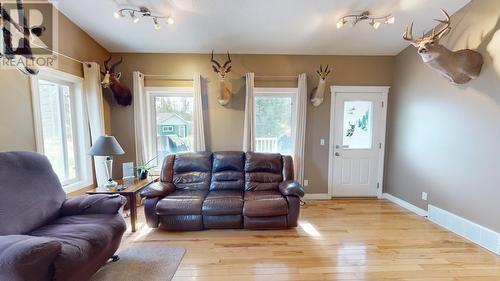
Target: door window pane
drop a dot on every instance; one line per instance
(273, 124)
(174, 120)
(357, 127)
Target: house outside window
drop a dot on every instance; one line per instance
(171, 113)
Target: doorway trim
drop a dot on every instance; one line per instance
(384, 92)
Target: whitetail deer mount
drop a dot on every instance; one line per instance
(459, 67)
(111, 79)
(318, 93)
(225, 94)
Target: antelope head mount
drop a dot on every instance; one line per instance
(318, 93)
(459, 67)
(111, 80)
(225, 94)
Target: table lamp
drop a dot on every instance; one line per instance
(107, 146)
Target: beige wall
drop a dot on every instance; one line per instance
(16, 117)
(445, 139)
(224, 126)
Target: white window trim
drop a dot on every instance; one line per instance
(293, 93)
(82, 128)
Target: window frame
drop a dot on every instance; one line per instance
(278, 93)
(152, 93)
(79, 120)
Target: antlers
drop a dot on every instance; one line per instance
(326, 71)
(408, 35)
(112, 68)
(217, 67)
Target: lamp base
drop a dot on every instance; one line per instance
(110, 184)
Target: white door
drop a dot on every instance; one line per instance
(358, 138)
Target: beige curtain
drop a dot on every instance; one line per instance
(142, 124)
(94, 102)
(198, 130)
(248, 127)
(300, 136)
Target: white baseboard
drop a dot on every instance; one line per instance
(474, 232)
(317, 196)
(406, 205)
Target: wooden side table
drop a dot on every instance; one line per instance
(132, 188)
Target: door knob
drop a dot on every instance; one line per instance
(337, 154)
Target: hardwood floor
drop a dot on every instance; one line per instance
(336, 240)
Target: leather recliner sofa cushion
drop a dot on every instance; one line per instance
(182, 202)
(227, 202)
(227, 171)
(263, 171)
(264, 204)
(192, 171)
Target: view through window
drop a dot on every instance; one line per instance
(173, 124)
(58, 129)
(274, 120)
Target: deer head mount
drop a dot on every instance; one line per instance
(24, 49)
(459, 67)
(111, 80)
(318, 93)
(225, 95)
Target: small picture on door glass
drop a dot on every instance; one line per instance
(357, 127)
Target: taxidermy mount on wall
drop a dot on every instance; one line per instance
(25, 51)
(459, 67)
(111, 80)
(318, 93)
(225, 95)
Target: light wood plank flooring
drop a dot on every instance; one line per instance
(337, 240)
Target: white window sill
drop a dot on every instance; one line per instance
(76, 186)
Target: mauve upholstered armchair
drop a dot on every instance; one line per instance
(43, 235)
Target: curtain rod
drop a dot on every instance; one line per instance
(275, 76)
(57, 53)
(170, 77)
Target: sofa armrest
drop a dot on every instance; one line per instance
(27, 258)
(93, 204)
(291, 188)
(158, 189)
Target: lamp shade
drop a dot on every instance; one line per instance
(106, 146)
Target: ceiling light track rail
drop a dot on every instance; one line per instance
(142, 12)
(374, 21)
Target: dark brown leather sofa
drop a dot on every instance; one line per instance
(224, 190)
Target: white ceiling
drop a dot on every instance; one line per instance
(255, 26)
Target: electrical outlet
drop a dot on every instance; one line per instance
(424, 196)
(306, 182)
(322, 142)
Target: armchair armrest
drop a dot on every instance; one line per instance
(291, 188)
(27, 258)
(93, 204)
(158, 189)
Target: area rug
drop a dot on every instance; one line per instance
(142, 263)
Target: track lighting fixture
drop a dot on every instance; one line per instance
(136, 14)
(375, 21)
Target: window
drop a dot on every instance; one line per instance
(171, 111)
(168, 129)
(274, 119)
(357, 127)
(61, 127)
